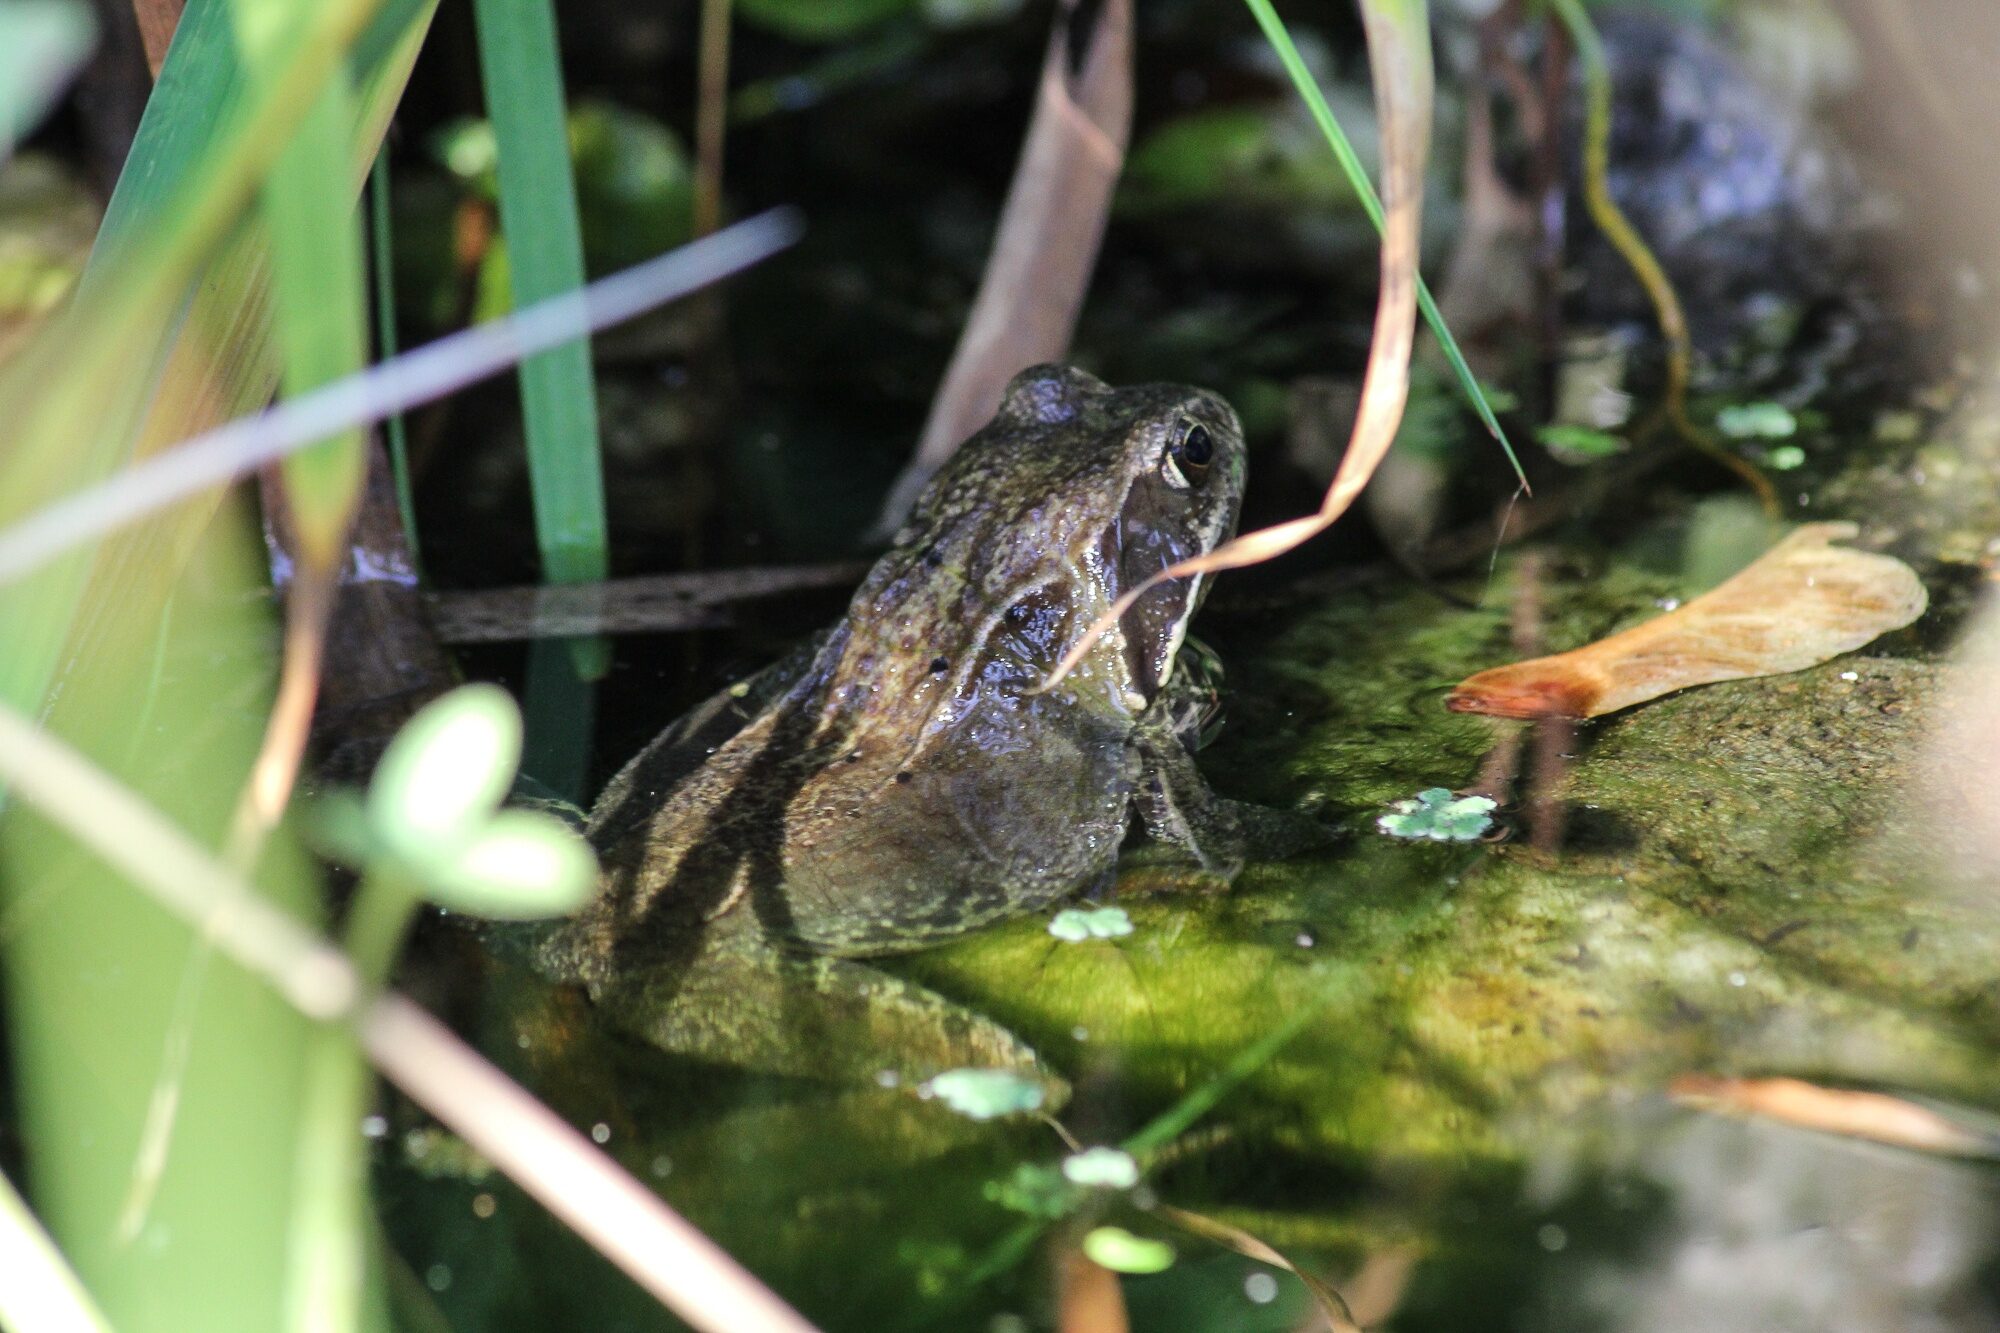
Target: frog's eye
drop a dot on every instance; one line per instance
(1190, 453)
(1195, 448)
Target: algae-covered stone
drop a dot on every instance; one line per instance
(1731, 897)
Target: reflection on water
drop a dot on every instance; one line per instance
(1763, 1228)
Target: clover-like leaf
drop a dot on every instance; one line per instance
(1439, 816)
(1102, 923)
(444, 774)
(522, 865)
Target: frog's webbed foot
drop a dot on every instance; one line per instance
(746, 1004)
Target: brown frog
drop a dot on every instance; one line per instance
(906, 778)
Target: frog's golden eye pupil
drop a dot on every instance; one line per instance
(1196, 448)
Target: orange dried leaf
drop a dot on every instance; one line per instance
(1801, 603)
(1856, 1115)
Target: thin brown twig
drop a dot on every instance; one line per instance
(1645, 266)
(308, 609)
(711, 116)
(1549, 739)
(645, 603)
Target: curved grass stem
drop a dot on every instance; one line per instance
(1639, 257)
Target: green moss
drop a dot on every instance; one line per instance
(1724, 902)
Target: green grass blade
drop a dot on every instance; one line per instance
(381, 244)
(538, 216)
(319, 329)
(320, 322)
(1357, 175)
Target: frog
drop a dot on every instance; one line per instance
(917, 772)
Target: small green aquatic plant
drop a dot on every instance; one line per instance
(1038, 1190)
(1756, 421)
(1436, 814)
(1102, 1167)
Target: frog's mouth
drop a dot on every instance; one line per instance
(1139, 545)
(1154, 628)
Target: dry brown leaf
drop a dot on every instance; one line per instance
(1801, 603)
(1856, 1115)
(1046, 246)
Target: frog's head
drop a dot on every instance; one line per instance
(1078, 491)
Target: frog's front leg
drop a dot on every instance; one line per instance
(1184, 818)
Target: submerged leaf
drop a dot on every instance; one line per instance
(1339, 1317)
(1846, 1112)
(1803, 602)
(1120, 1251)
(985, 1094)
(1037, 1190)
